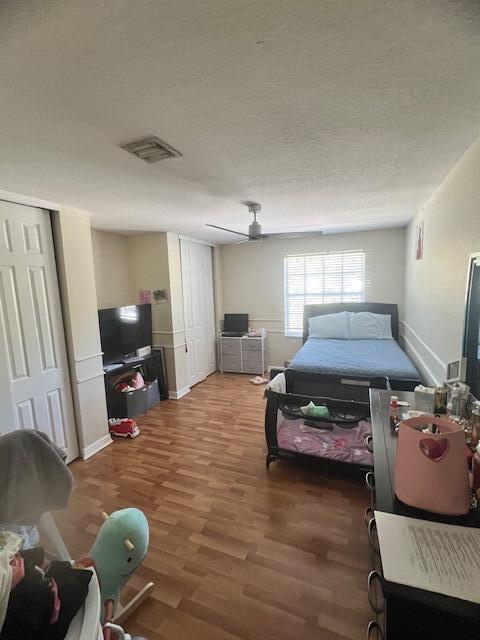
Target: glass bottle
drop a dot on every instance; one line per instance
(393, 412)
(475, 423)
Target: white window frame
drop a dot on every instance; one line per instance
(341, 296)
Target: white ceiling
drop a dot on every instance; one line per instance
(334, 115)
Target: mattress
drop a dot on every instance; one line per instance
(374, 358)
(342, 445)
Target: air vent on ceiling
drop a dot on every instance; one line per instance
(151, 149)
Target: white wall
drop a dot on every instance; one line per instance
(73, 248)
(253, 278)
(436, 285)
(113, 278)
(155, 264)
(181, 386)
(149, 270)
(218, 287)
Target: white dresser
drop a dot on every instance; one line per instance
(243, 355)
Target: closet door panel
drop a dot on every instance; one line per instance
(31, 331)
(197, 277)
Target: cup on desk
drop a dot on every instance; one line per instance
(424, 398)
(440, 400)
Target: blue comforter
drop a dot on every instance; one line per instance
(354, 357)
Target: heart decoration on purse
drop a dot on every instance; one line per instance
(434, 450)
(442, 487)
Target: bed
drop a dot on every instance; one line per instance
(347, 369)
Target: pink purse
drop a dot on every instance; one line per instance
(431, 470)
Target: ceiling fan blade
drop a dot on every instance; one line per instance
(229, 230)
(292, 234)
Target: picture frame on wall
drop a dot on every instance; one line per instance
(160, 296)
(144, 296)
(419, 241)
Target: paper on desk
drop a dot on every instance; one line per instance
(429, 555)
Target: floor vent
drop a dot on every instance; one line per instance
(151, 150)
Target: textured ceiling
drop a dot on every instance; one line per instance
(334, 115)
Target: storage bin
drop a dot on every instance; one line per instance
(231, 363)
(252, 344)
(231, 346)
(128, 404)
(153, 393)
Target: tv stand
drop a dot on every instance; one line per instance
(134, 359)
(152, 367)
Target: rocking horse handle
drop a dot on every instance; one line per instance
(118, 631)
(107, 630)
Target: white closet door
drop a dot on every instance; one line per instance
(35, 390)
(198, 304)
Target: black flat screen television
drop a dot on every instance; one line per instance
(123, 330)
(237, 322)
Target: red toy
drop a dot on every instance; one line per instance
(123, 427)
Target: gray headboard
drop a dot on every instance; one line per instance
(312, 310)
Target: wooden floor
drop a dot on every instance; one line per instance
(236, 551)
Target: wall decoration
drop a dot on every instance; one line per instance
(160, 296)
(145, 296)
(419, 239)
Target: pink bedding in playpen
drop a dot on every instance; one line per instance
(343, 445)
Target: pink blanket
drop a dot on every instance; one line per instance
(345, 445)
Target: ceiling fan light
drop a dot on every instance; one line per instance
(255, 230)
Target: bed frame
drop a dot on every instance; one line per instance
(383, 308)
(347, 387)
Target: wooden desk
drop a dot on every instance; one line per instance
(409, 613)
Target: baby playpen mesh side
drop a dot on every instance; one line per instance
(339, 439)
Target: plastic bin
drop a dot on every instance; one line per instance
(128, 404)
(153, 393)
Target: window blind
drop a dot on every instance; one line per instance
(321, 278)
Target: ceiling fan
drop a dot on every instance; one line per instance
(255, 228)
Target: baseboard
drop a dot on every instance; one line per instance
(96, 446)
(176, 395)
(275, 366)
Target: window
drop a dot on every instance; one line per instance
(318, 278)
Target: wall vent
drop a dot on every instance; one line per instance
(151, 150)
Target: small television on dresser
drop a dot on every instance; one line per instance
(123, 330)
(235, 324)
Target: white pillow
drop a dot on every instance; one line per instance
(370, 326)
(331, 326)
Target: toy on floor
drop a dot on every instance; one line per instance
(123, 427)
(119, 549)
(315, 411)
